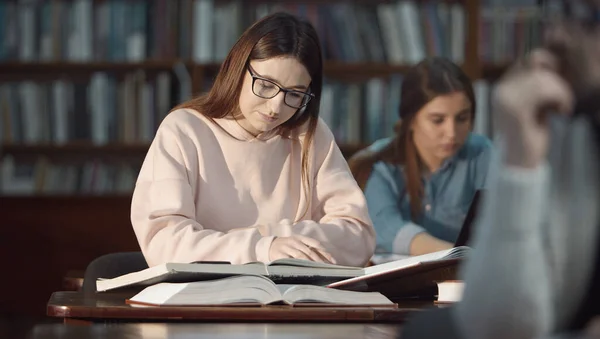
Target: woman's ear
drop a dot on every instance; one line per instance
(397, 126)
(298, 114)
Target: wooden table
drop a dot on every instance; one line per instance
(218, 331)
(106, 307)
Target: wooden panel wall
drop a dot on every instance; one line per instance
(42, 238)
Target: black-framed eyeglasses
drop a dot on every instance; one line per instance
(267, 89)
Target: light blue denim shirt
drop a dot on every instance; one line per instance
(447, 196)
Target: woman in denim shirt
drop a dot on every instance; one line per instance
(419, 185)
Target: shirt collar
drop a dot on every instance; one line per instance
(231, 126)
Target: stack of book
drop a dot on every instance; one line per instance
(291, 282)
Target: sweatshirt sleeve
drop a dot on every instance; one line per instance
(535, 243)
(507, 283)
(482, 164)
(394, 233)
(341, 221)
(163, 210)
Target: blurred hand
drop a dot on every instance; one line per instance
(522, 100)
(565, 73)
(576, 48)
(299, 247)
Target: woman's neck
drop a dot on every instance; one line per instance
(237, 117)
(428, 163)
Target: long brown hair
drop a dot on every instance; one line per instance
(422, 83)
(276, 35)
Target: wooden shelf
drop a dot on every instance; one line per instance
(50, 71)
(367, 2)
(89, 150)
(67, 67)
(82, 147)
(41, 198)
(361, 70)
(493, 71)
(78, 152)
(330, 67)
(339, 69)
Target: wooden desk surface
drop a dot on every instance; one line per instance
(109, 307)
(218, 331)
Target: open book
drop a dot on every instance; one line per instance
(288, 271)
(450, 291)
(251, 290)
(282, 270)
(401, 268)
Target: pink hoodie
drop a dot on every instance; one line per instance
(209, 190)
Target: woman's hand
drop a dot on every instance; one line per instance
(523, 98)
(551, 80)
(576, 47)
(299, 247)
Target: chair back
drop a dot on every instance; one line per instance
(111, 266)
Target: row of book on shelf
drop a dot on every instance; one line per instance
(45, 177)
(294, 282)
(128, 110)
(507, 33)
(510, 28)
(400, 32)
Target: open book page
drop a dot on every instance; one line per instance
(455, 252)
(382, 258)
(249, 290)
(308, 263)
(450, 291)
(400, 267)
(298, 294)
(180, 272)
(232, 290)
(305, 271)
(285, 270)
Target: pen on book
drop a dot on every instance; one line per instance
(211, 262)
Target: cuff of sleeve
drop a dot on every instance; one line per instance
(404, 237)
(520, 198)
(526, 176)
(262, 249)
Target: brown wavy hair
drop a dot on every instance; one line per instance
(423, 82)
(276, 35)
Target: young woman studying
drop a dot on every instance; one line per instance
(248, 171)
(419, 185)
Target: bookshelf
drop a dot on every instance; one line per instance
(158, 55)
(55, 225)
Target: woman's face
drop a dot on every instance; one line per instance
(261, 114)
(442, 126)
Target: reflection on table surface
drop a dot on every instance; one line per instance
(218, 331)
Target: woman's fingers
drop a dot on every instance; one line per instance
(315, 246)
(296, 249)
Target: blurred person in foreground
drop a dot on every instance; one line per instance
(536, 267)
